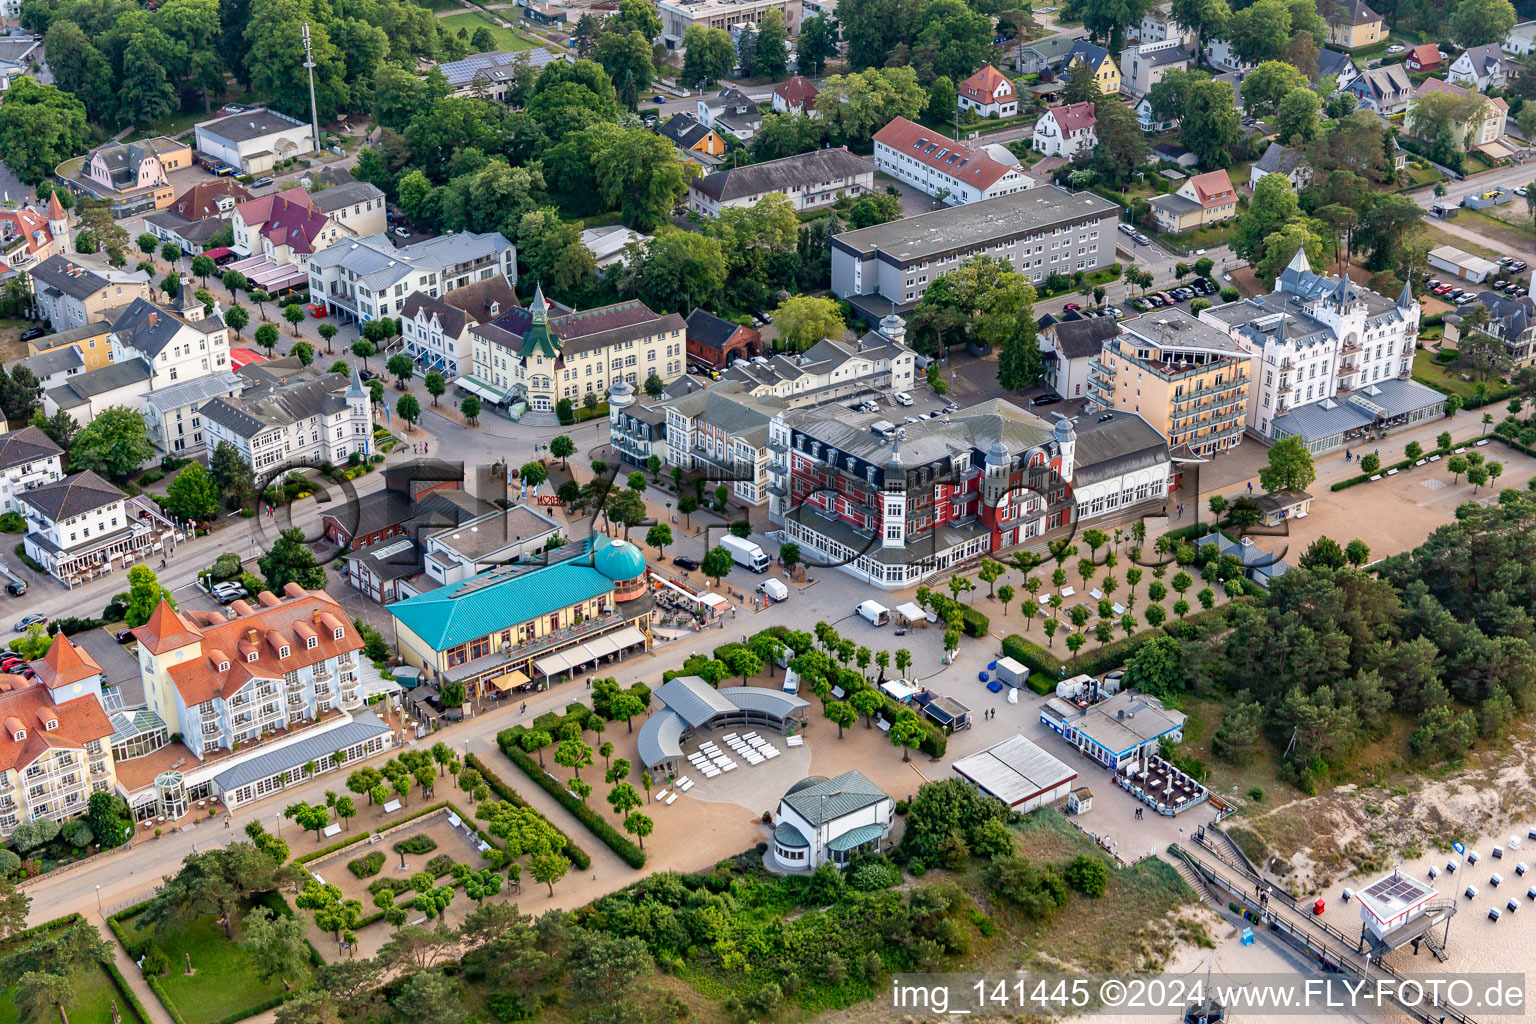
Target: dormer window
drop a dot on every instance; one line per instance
(223, 666)
(50, 725)
(250, 656)
(311, 642)
(19, 735)
(337, 633)
(284, 651)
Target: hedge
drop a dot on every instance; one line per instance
(1349, 482)
(1042, 684)
(122, 986)
(935, 741)
(1103, 659)
(627, 851)
(327, 850)
(573, 853)
(974, 622)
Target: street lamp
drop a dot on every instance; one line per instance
(98, 899)
(278, 817)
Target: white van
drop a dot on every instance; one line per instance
(875, 612)
(775, 590)
(902, 398)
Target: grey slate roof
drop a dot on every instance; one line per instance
(94, 329)
(1159, 58)
(710, 330)
(56, 360)
(1355, 12)
(148, 328)
(683, 130)
(279, 404)
(1332, 62)
(1393, 397)
(28, 444)
(1118, 445)
(453, 320)
(363, 727)
(194, 392)
(827, 801)
(253, 124)
(72, 496)
(1089, 53)
(55, 273)
(1078, 339)
(329, 200)
(1278, 159)
(813, 168)
(1485, 58)
(82, 387)
(694, 699)
(971, 430)
(378, 264)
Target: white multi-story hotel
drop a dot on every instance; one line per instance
(363, 278)
(1331, 357)
(28, 459)
(283, 420)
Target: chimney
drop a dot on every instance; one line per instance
(154, 318)
(253, 635)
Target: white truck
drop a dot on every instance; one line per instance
(746, 554)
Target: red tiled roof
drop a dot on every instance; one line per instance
(55, 208)
(1212, 187)
(79, 721)
(166, 630)
(64, 664)
(31, 225)
(1074, 116)
(201, 200)
(259, 211)
(983, 85)
(1427, 55)
(294, 225)
(925, 146)
(797, 92)
(231, 642)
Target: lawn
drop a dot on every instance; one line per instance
(1438, 238)
(1203, 238)
(93, 993)
(506, 39)
(224, 985)
(1427, 371)
(1426, 175)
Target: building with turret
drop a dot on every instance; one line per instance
(1329, 358)
(28, 235)
(283, 419)
(529, 358)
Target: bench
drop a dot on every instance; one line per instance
(392, 807)
(332, 829)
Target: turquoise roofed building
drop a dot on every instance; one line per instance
(530, 623)
(824, 820)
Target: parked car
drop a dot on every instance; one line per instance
(1045, 400)
(1116, 312)
(231, 596)
(16, 587)
(400, 232)
(124, 636)
(1396, 48)
(33, 332)
(762, 317)
(12, 662)
(261, 182)
(1516, 267)
(658, 98)
(1464, 299)
(26, 621)
(684, 562)
(909, 419)
(1128, 229)
(1071, 307)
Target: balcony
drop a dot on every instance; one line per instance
(777, 445)
(1350, 348)
(1346, 369)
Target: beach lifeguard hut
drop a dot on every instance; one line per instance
(1080, 800)
(1399, 908)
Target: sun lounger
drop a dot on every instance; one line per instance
(770, 754)
(729, 766)
(661, 796)
(671, 799)
(794, 741)
(685, 786)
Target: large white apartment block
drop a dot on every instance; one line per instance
(367, 277)
(940, 166)
(82, 527)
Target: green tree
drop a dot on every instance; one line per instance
(193, 495)
(771, 59)
(626, 56)
(1289, 467)
(1296, 121)
(290, 560)
(818, 41)
(639, 826)
(267, 337)
(41, 126)
(408, 409)
(906, 732)
(1266, 85)
(804, 320)
(709, 55)
(294, 314)
(659, 537)
(401, 367)
(276, 944)
(676, 272)
(840, 714)
(1479, 22)
(470, 407)
(549, 868)
(114, 444)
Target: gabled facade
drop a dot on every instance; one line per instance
(1106, 75)
(1203, 199)
(1066, 131)
(1340, 65)
(29, 235)
(809, 180)
(723, 432)
(731, 111)
(696, 141)
(989, 93)
(368, 277)
(1317, 339)
(1142, 66)
(28, 459)
(1386, 89)
(1282, 160)
(1353, 24)
(1424, 58)
(1481, 68)
(795, 96)
(1484, 129)
(1512, 320)
(436, 332)
(278, 422)
(533, 356)
(69, 296)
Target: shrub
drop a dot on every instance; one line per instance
(440, 865)
(974, 622)
(394, 885)
(367, 867)
(12, 522)
(573, 853)
(599, 826)
(417, 844)
(1088, 875)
